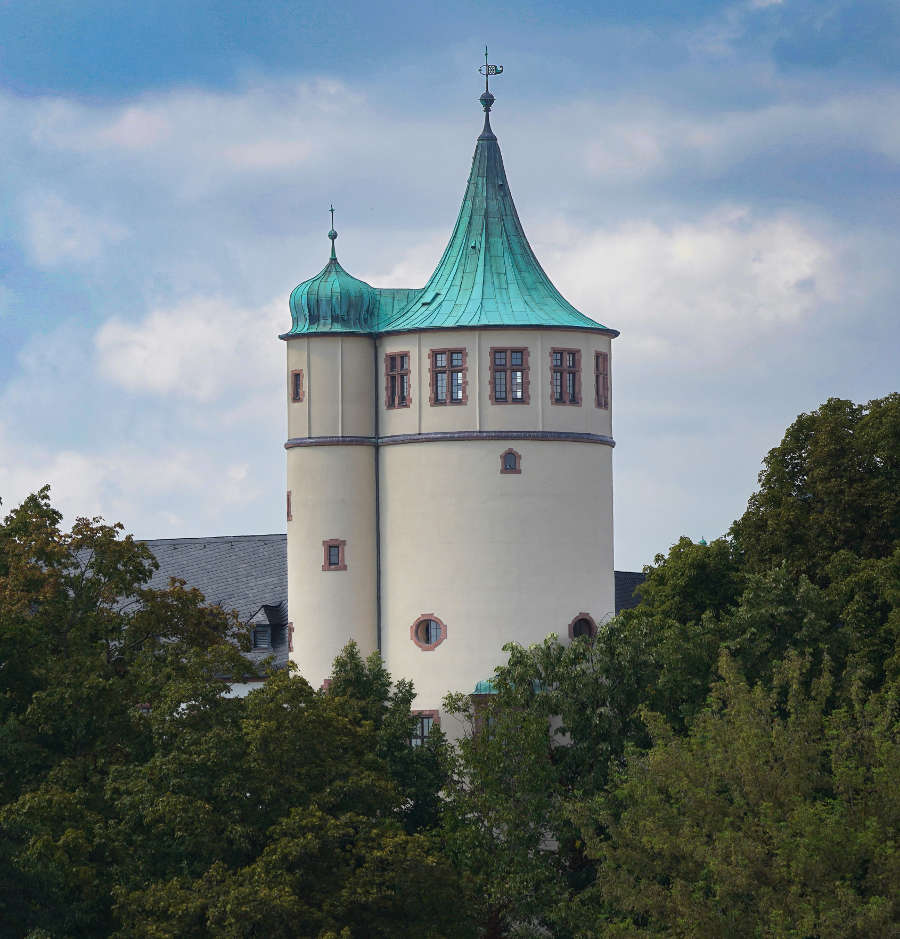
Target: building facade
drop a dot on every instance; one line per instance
(449, 456)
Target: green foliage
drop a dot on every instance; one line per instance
(138, 799)
(771, 817)
(832, 484)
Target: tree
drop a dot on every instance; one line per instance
(771, 817)
(139, 799)
(832, 484)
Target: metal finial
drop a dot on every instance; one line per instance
(332, 234)
(487, 99)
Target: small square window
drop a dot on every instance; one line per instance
(334, 558)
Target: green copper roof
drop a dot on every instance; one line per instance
(488, 275)
(333, 302)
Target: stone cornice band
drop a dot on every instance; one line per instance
(442, 436)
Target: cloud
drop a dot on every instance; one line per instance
(200, 350)
(58, 232)
(728, 279)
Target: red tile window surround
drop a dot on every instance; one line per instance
(509, 376)
(428, 632)
(582, 625)
(297, 384)
(510, 462)
(447, 381)
(397, 389)
(333, 555)
(565, 377)
(601, 379)
(290, 517)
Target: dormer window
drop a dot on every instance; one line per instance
(262, 637)
(396, 371)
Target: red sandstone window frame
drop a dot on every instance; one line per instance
(508, 368)
(591, 622)
(327, 554)
(290, 517)
(397, 393)
(601, 380)
(422, 642)
(296, 388)
(517, 469)
(565, 377)
(420, 735)
(447, 370)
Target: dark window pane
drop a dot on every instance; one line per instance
(500, 358)
(570, 359)
(570, 385)
(440, 387)
(456, 358)
(556, 358)
(334, 555)
(509, 461)
(515, 358)
(404, 388)
(500, 386)
(404, 361)
(582, 627)
(456, 384)
(440, 359)
(392, 360)
(557, 386)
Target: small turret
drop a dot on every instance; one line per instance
(333, 301)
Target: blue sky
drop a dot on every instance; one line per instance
(719, 181)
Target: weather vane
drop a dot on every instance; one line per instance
(487, 70)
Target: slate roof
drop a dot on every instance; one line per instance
(626, 582)
(247, 573)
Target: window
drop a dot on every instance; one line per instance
(396, 372)
(601, 369)
(262, 637)
(565, 376)
(425, 720)
(510, 462)
(334, 558)
(297, 384)
(290, 517)
(509, 376)
(428, 632)
(448, 376)
(582, 626)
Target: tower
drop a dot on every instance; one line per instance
(451, 447)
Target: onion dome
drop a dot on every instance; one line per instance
(332, 302)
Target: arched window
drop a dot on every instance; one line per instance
(428, 632)
(510, 462)
(582, 626)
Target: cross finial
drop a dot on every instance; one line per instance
(332, 234)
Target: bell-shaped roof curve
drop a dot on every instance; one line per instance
(488, 275)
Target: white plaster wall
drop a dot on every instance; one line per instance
(333, 496)
(495, 557)
(479, 413)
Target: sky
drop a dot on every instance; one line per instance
(720, 181)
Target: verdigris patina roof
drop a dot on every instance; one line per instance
(488, 275)
(333, 302)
